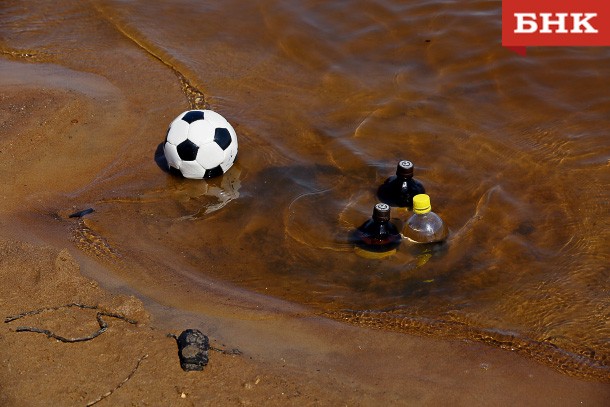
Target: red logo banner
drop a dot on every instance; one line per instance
(528, 23)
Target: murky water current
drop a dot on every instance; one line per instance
(326, 97)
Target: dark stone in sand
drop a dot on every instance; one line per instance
(193, 348)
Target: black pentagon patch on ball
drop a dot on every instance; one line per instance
(222, 137)
(192, 116)
(187, 150)
(213, 172)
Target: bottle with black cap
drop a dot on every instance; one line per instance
(399, 189)
(378, 236)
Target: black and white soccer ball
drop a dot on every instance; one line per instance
(200, 144)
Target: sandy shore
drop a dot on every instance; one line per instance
(285, 361)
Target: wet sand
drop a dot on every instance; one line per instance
(296, 359)
(81, 129)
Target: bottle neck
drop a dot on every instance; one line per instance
(416, 212)
(402, 177)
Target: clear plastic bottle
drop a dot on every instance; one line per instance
(399, 189)
(424, 226)
(377, 235)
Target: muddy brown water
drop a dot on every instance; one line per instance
(326, 97)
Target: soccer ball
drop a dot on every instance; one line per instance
(200, 144)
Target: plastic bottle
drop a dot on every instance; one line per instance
(399, 189)
(378, 236)
(424, 226)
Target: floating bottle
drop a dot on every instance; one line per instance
(378, 236)
(424, 226)
(399, 189)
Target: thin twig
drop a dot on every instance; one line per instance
(103, 396)
(233, 351)
(103, 325)
(38, 311)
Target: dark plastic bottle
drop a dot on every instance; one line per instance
(399, 189)
(378, 234)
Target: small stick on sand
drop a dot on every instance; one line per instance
(103, 396)
(103, 325)
(233, 351)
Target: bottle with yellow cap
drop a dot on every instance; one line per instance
(424, 226)
(378, 236)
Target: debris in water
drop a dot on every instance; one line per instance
(82, 213)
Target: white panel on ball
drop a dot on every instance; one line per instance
(171, 155)
(192, 169)
(233, 134)
(178, 132)
(210, 155)
(215, 118)
(201, 132)
(225, 165)
(229, 157)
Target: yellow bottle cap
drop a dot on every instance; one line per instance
(421, 203)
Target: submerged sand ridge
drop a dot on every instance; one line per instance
(93, 128)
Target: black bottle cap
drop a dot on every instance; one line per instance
(404, 169)
(381, 212)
